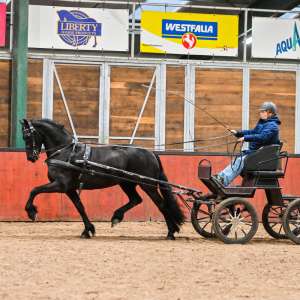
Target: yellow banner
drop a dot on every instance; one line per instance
(189, 33)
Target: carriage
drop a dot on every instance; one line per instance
(226, 213)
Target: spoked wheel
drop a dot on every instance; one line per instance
(235, 221)
(291, 221)
(201, 217)
(272, 221)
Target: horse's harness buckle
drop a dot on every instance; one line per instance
(86, 157)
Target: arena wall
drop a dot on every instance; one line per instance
(219, 90)
(18, 177)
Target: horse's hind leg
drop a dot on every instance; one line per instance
(134, 200)
(159, 202)
(89, 227)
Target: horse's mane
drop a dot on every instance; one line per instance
(55, 124)
(51, 122)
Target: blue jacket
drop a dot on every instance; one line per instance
(266, 132)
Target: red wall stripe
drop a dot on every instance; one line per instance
(18, 177)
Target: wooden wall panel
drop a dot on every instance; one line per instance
(279, 87)
(35, 89)
(126, 99)
(81, 88)
(175, 106)
(219, 91)
(5, 88)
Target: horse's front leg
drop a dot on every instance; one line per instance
(89, 227)
(52, 187)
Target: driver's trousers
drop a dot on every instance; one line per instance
(233, 170)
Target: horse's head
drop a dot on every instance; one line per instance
(32, 139)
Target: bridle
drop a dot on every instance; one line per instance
(30, 133)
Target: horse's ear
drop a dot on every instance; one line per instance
(24, 122)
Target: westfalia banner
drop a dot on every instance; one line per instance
(185, 33)
(78, 28)
(2, 24)
(275, 38)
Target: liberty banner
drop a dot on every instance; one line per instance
(189, 33)
(78, 28)
(2, 24)
(275, 38)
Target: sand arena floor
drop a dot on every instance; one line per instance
(133, 261)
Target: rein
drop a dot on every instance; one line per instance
(59, 150)
(171, 144)
(31, 132)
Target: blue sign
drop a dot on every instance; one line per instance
(76, 28)
(202, 30)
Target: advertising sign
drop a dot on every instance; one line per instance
(275, 38)
(78, 28)
(2, 24)
(189, 33)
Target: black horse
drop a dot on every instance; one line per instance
(59, 145)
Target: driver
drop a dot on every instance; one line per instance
(266, 132)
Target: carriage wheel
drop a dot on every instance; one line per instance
(291, 221)
(201, 217)
(235, 221)
(272, 221)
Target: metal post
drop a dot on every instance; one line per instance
(65, 103)
(245, 35)
(104, 104)
(245, 100)
(297, 113)
(47, 100)
(133, 30)
(19, 71)
(189, 108)
(160, 107)
(143, 108)
(11, 36)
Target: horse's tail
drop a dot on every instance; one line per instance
(175, 212)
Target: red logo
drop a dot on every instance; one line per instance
(189, 40)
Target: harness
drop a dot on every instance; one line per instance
(85, 163)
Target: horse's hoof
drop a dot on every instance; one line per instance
(32, 213)
(92, 230)
(170, 237)
(85, 235)
(32, 216)
(114, 222)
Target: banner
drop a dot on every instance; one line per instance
(186, 33)
(275, 38)
(2, 24)
(78, 28)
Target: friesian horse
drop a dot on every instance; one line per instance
(59, 145)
